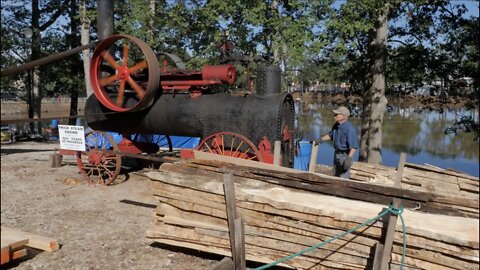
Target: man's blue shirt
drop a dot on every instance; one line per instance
(344, 136)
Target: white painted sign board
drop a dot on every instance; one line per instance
(72, 137)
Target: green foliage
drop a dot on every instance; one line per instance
(326, 39)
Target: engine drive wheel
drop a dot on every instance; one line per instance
(230, 144)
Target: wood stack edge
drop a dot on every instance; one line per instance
(281, 220)
(14, 244)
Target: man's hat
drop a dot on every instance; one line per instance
(342, 110)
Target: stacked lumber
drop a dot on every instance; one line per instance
(286, 212)
(15, 243)
(423, 178)
(12, 249)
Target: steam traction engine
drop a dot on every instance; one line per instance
(137, 91)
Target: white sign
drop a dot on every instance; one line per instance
(72, 137)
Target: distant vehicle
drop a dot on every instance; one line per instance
(9, 97)
(7, 135)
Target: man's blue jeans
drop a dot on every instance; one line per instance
(338, 170)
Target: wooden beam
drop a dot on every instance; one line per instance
(324, 184)
(392, 219)
(377, 256)
(229, 190)
(240, 244)
(238, 161)
(277, 155)
(55, 160)
(313, 158)
(34, 240)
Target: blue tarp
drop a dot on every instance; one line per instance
(177, 141)
(301, 160)
(160, 140)
(184, 142)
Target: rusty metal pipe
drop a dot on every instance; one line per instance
(45, 60)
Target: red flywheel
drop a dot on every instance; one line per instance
(124, 73)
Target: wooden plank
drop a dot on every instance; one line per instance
(392, 219)
(301, 224)
(349, 189)
(10, 244)
(329, 206)
(377, 256)
(277, 153)
(254, 164)
(313, 158)
(19, 253)
(240, 244)
(34, 240)
(5, 254)
(13, 241)
(263, 196)
(55, 160)
(442, 171)
(229, 190)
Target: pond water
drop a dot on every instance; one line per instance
(420, 134)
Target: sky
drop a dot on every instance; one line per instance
(472, 7)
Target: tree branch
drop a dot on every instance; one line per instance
(401, 42)
(19, 56)
(54, 16)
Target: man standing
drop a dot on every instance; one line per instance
(345, 142)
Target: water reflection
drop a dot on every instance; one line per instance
(418, 133)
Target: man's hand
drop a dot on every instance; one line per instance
(317, 141)
(347, 163)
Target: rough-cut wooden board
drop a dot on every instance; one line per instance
(13, 241)
(443, 171)
(418, 177)
(9, 245)
(457, 229)
(239, 161)
(19, 253)
(197, 202)
(34, 240)
(316, 231)
(335, 186)
(5, 254)
(280, 220)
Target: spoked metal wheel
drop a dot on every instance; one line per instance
(230, 144)
(136, 77)
(163, 142)
(98, 164)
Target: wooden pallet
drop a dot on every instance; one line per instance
(14, 243)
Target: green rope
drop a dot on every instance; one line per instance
(391, 209)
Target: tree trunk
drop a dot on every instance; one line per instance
(36, 99)
(365, 129)
(374, 108)
(151, 21)
(72, 38)
(85, 39)
(105, 22)
(276, 36)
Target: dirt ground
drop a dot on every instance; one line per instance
(97, 227)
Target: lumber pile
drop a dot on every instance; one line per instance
(15, 243)
(286, 212)
(425, 178)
